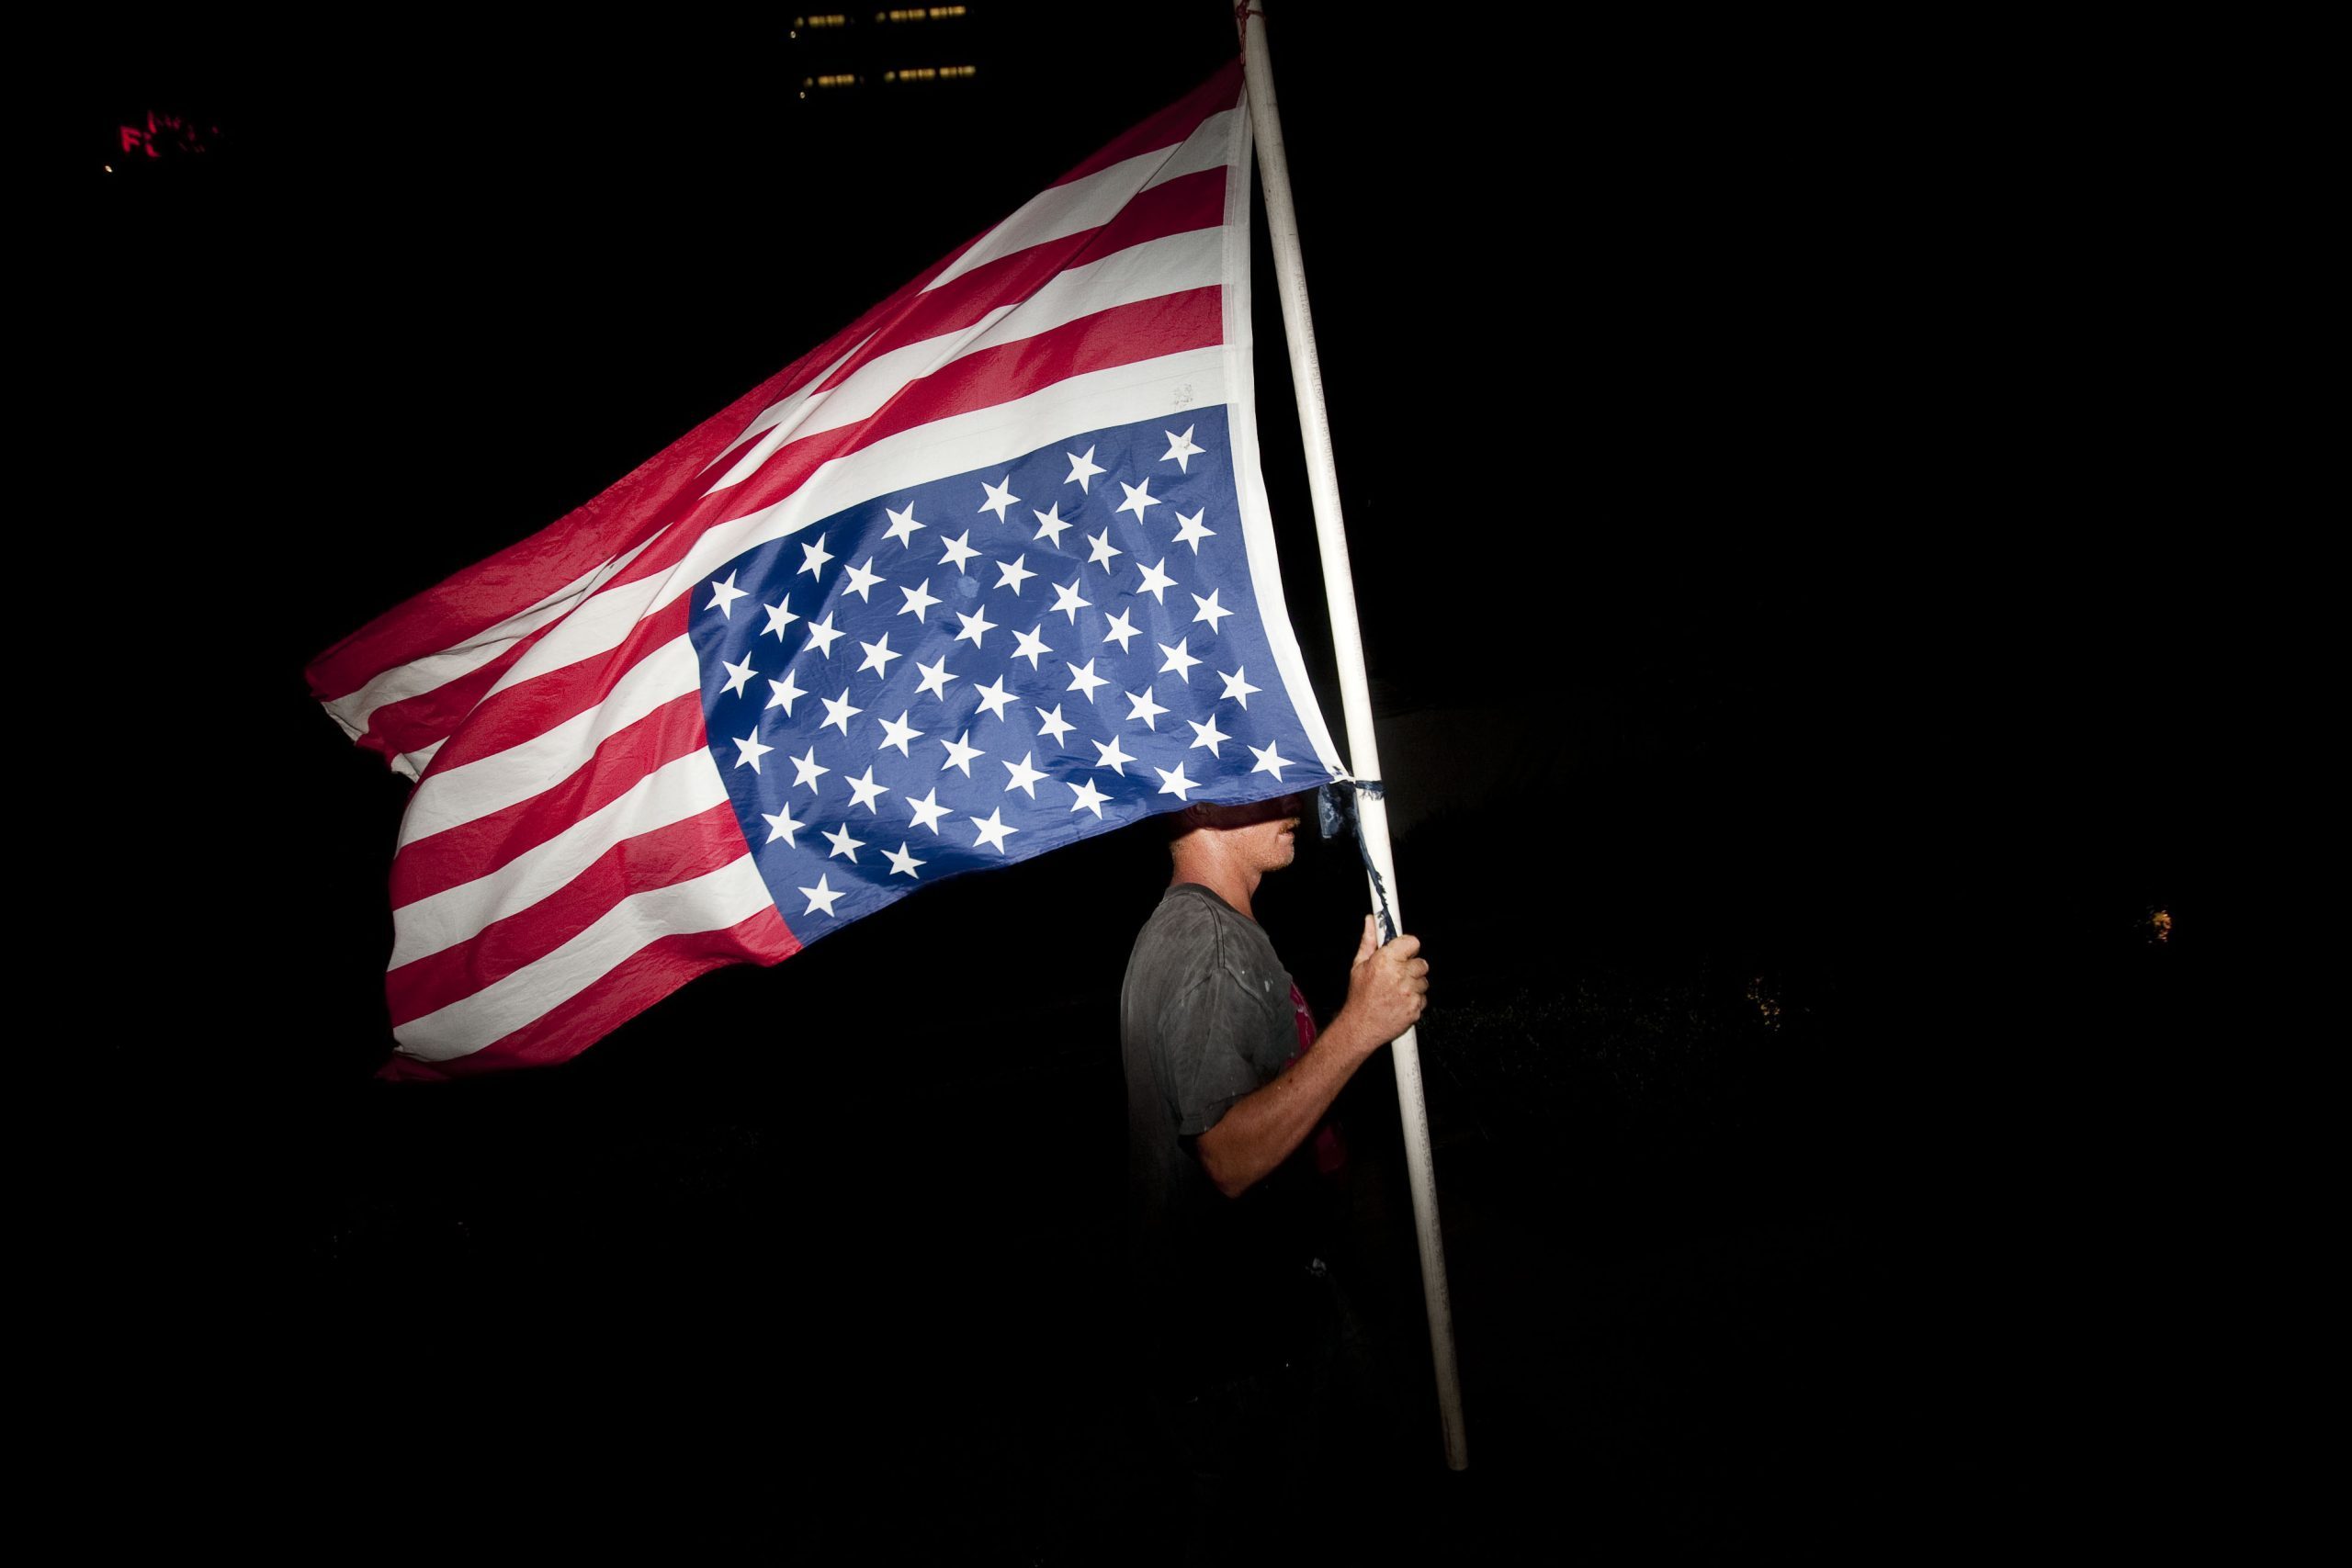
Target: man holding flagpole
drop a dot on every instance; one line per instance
(1247, 1339)
(992, 570)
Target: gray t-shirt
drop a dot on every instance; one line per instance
(1206, 1016)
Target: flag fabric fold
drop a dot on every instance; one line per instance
(989, 572)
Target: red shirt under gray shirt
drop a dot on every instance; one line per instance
(1208, 1015)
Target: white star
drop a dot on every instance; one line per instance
(898, 732)
(1119, 629)
(994, 696)
(751, 750)
(1180, 448)
(1138, 497)
(1025, 777)
(878, 656)
(903, 864)
(975, 627)
(1235, 687)
(1211, 611)
(1082, 469)
(861, 580)
(960, 754)
(863, 791)
(1031, 645)
(806, 770)
(723, 597)
(1190, 532)
(959, 550)
(782, 826)
(1085, 679)
(813, 557)
(1054, 724)
(1050, 522)
(1110, 757)
(822, 897)
(1013, 574)
(782, 693)
(779, 618)
(837, 711)
(1103, 549)
(1000, 496)
(1180, 663)
(934, 678)
(1208, 734)
(903, 525)
(1089, 797)
(918, 599)
(821, 636)
(739, 675)
(844, 844)
(927, 811)
(993, 830)
(1157, 582)
(1145, 709)
(1268, 763)
(1174, 782)
(1068, 602)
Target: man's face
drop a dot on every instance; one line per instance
(1265, 834)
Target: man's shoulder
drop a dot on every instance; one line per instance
(1190, 915)
(1193, 934)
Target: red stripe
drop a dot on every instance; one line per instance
(1193, 318)
(459, 854)
(465, 605)
(677, 852)
(530, 708)
(1172, 125)
(414, 723)
(634, 984)
(1187, 203)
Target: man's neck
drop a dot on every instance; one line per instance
(1227, 882)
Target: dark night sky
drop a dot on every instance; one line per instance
(1823, 409)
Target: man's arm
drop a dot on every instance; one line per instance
(1387, 989)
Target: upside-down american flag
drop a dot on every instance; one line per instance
(987, 573)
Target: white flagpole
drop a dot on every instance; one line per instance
(1355, 693)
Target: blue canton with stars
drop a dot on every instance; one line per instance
(989, 666)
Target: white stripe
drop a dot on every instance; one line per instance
(459, 795)
(598, 626)
(671, 792)
(411, 764)
(1123, 394)
(1249, 482)
(435, 669)
(776, 411)
(1093, 202)
(421, 675)
(1168, 265)
(732, 892)
(1067, 209)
